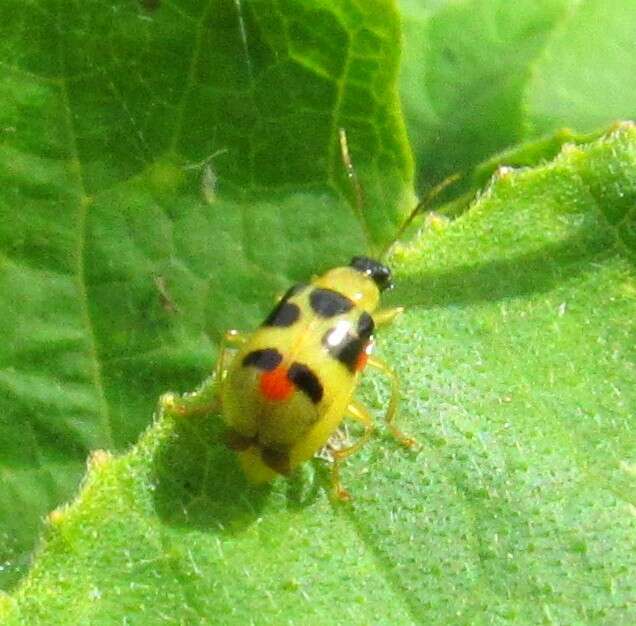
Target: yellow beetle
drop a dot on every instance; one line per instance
(290, 383)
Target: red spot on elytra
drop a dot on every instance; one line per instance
(363, 357)
(275, 385)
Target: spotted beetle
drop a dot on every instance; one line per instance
(290, 385)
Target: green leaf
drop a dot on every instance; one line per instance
(466, 68)
(166, 168)
(585, 77)
(517, 360)
(481, 76)
(526, 154)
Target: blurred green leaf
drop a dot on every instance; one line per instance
(517, 358)
(465, 70)
(585, 76)
(482, 76)
(166, 167)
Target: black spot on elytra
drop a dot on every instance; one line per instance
(267, 359)
(348, 352)
(351, 345)
(278, 460)
(366, 326)
(328, 303)
(305, 380)
(285, 314)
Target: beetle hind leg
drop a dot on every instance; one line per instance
(359, 413)
(391, 411)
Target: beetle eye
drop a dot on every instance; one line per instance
(380, 274)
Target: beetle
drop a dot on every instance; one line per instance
(289, 384)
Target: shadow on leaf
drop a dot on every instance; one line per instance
(199, 483)
(518, 275)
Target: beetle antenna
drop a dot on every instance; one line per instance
(351, 172)
(426, 202)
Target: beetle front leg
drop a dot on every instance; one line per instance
(387, 316)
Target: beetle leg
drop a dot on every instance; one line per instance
(386, 316)
(360, 414)
(393, 402)
(204, 399)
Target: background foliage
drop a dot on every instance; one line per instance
(168, 167)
